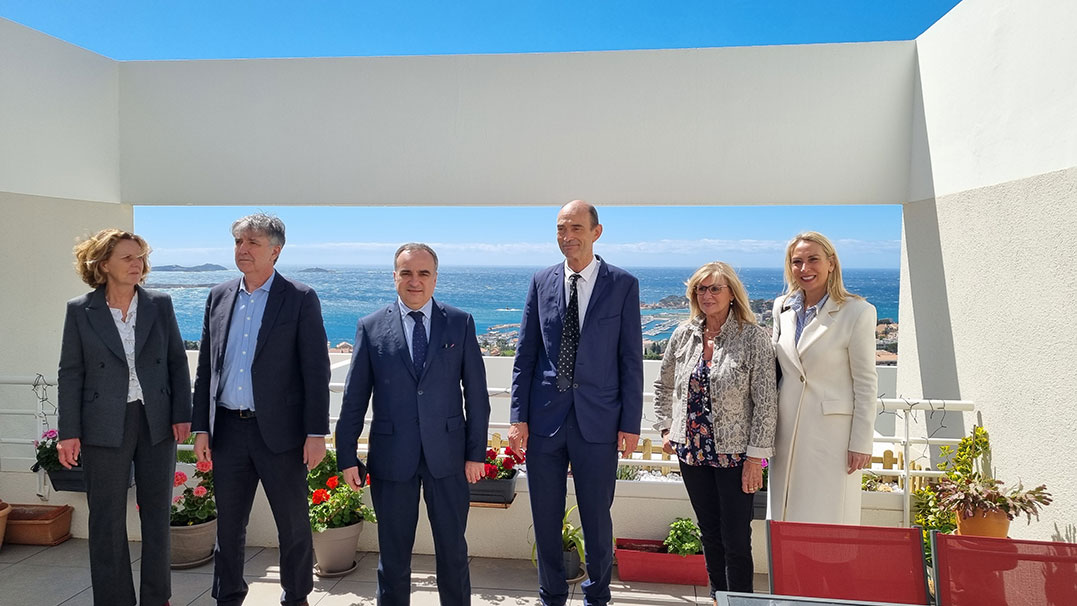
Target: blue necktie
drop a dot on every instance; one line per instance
(570, 338)
(418, 342)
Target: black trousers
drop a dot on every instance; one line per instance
(724, 512)
(107, 471)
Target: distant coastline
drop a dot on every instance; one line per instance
(203, 267)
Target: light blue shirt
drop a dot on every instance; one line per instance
(236, 390)
(805, 314)
(409, 322)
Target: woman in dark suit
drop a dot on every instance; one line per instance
(124, 397)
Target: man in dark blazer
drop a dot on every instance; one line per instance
(261, 401)
(415, 356)
(577, 397)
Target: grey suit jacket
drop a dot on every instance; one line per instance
(93, 374)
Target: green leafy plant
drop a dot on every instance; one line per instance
(196, 504)
(571, 538)
(46, 455)
(331, 502)
(627, 472)
(187, 456)
(684, 538)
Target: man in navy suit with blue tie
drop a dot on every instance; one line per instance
(577, 397)
(415, 356)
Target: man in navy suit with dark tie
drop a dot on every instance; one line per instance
(261, 407)
(577, 397)
(421, 361)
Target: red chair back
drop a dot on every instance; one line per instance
(869, 563)
(983, 571)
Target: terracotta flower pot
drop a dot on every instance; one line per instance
(4, 510)
(192, 545)
(334, 550)
(984, 524)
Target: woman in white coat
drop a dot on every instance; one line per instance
(824, 339)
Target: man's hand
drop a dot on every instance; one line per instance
(518, 437)
(69, 450)
(201, 448)
(181, 431)
(352, 477)
(474, 471)
(858, 460)
(313, 451)
(626, 443)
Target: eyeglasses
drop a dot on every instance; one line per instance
(713, 289)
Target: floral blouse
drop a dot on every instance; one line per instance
(698, 448)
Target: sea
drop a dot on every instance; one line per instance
(493, 295)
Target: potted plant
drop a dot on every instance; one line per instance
(979, 501)
(336, 518)
(48, 459)
(193, 522)
(498, 484)
(678, 559)
(572, 549)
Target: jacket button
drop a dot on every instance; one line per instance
(575, 386)
(801, 378)
(420, 392)
(101, 365)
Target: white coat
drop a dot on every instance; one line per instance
(826, 407)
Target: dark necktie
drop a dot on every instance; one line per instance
(418, 342)
(570, 338)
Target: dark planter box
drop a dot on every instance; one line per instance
(72, 479)
(494, 491)
(759, 505)
(646, 560)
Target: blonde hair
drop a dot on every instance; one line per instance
(717, 269)
(91, 253)
(835, 288)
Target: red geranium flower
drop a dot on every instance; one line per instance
(320, 496)
(368, 479)
(491, 453)
(179, 478)
(204, 466)
(508, 463)
(199, 491)
(332, 482)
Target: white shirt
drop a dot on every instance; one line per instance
(127, 337)
(585, 285)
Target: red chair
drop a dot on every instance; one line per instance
(983, 571)
(868, 563)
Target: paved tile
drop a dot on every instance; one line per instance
(504, 597)
(73, 553)
(349, 593)
(83, 598)
(11, 553)
(649, 594)
(423, 570)
(188, 586)
(42, 585)
(497, 573)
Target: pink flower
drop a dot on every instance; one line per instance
(199, 491)
(179, 479)
(50, 434)
(177, 499)
(204, 466)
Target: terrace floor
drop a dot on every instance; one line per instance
(60, 575)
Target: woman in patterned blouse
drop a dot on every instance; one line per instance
(716, 404)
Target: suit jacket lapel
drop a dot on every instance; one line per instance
(222, 321)
(394, 326)
(101, 320)
(817, 327)
(147, 315)
(787, 322)
(269, 317)
(437, 333)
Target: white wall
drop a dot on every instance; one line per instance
(761, 125)
(999, 91)
(59, 121)
(985, 280)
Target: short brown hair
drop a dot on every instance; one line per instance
(95, 250)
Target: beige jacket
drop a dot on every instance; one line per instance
(742, 387)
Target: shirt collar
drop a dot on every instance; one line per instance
(426, 309)
(587, 274)
(797, 302)
(265, 286)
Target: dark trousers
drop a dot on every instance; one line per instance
(107, 471)
(594, 473)
(724, 512)
(397, 507)
(240, 459)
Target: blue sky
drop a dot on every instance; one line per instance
(744, 236)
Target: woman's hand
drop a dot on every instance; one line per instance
(857, 461)
(181, 431)
(667, 447)
(68, 451)
(751, 475)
